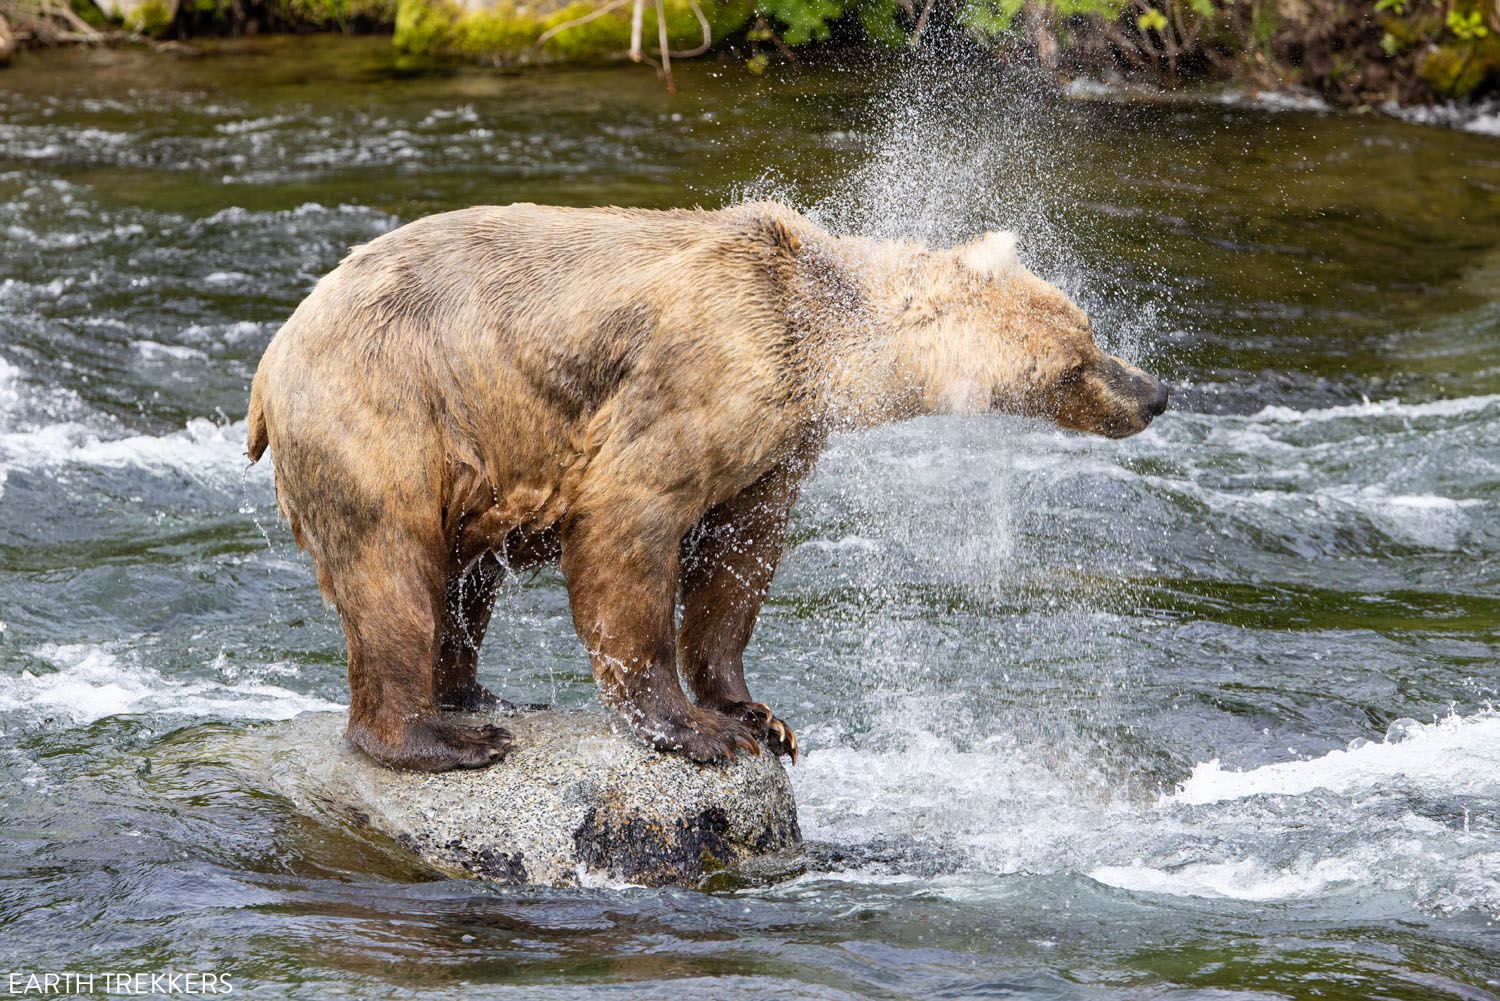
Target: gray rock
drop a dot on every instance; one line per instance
(577, 800)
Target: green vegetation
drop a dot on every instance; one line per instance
(340, 15)
(1467, 55)
(1350, 51)
(514, 30)
(153, 17)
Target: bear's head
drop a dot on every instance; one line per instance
(998, 338)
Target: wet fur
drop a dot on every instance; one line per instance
(637, 394)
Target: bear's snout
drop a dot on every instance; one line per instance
(1114, 399)
(1139, 396)
(1159, 405)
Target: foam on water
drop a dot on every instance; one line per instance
(1456, 755)
(998, 808)
(1346, 823)
(201, 448)
(91, 682)
(1381, 408)
(153, 351)
(1480, 117)
(1362, 821)
(10, 393)
(1429, 520)
(1248, 879)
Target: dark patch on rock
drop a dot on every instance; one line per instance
(779, 835)
(491, 863)
(884, 857)
(651, 851)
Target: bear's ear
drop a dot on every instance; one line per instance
(774, 226)
(992, 254)
(778, 234)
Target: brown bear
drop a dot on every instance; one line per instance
(638, 393)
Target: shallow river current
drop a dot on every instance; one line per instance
(1201, 714)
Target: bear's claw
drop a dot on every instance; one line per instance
(705, 737)
(777, 735)
(786, 740)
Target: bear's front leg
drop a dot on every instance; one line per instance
(728, 563)
(620, 561)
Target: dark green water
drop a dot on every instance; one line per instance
(1075, 712)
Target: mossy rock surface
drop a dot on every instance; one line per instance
(149, 17)
(1460, 69)
(506, 31)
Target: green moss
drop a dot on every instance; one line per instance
(881, 20)
(332, 13)
(486, 35)
(153, 17)
(422, 27)
(507, 31)
(998, 17)
(1461, 68)
(1107, 9)
(1264, 20)
(802, 21)
(88, 12)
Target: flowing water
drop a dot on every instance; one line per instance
(1205, 713)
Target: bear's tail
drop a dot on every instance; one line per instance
(256, 437)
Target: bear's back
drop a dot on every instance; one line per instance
(536, 317)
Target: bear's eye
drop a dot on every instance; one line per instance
(1073, 375)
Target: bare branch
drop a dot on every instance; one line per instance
(82, 30)
(1127, 46)
(708, 34)
(558, 29)
(636, 14)
(1043, 39)
(921, 28)
(666, 51)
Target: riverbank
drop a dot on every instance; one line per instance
(1349, 53)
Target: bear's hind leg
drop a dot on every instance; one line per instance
(474, 581)
(390, 598)
(727, 566)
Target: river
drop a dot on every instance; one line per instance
(1206, 713)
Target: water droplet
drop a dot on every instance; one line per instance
(1404, 728)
